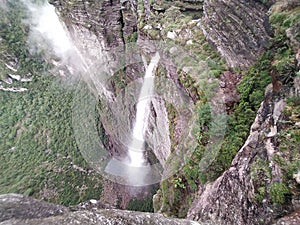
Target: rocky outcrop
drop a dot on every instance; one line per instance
(238, 29)
(18, 209)
(190, 6)
(240, 32)
(254, 189)
(102, 18)
(292, 219)
(231, 199)
(101, 31)
(228, 85)
(15, 206)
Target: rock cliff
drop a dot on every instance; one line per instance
(242, 186)
(231, 198)
(209, 51)
(238, 29)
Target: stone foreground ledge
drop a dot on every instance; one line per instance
(19, 209)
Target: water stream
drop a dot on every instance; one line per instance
(47, 27)
(134, 169)
(137, 146)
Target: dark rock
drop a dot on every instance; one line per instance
(228, 85)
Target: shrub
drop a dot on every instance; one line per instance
(278, 193)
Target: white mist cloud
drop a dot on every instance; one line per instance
(46, 26)
(49, 34)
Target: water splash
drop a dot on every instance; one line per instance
(46, 27)
(137, 146)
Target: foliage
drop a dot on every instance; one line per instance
(289, 145)
(261, 175)
(251, 89)
(284, 19)
(278, 59)
(38, 152)
(178, 183)
(142, 205)
(278, 192)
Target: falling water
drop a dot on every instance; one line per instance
(48, 31)
(136, 148)
(136, 172)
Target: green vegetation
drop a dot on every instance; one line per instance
(279, 58)
(278, 192)
(261, 175)
(132, 38)
(13, 41)
(38, 152)
(284, 16)
(142, 205)
(251, 89)
(289, 158)
(276, 64)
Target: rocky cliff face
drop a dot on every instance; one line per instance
(238, 29)
(244, 194)
(260, 185)
(105, 32)
(231, 198)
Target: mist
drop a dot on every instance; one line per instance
(46, 26)
(49, 35)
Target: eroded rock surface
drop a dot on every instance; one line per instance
(231, 198)
(292, 219)
(238, 29)
(16, 206)
(18, 209)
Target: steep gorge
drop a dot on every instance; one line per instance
(238, 48)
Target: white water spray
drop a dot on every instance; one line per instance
(136, 148)
(49, 32)
(45, 23)
(137, 172)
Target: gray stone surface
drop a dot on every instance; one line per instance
(238, 29)
(18, 209)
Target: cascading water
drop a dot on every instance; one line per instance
(45, 23)
(134, 169)
(137, 146)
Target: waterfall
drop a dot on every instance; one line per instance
(137, 146)
(49, 33)
(135, 171)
